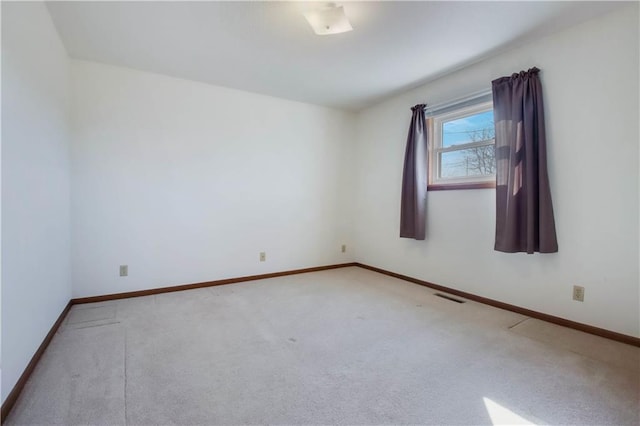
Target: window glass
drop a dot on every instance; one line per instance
(462, 148)
(478, 161)
(474, 128)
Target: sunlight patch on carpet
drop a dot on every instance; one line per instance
(503, 416)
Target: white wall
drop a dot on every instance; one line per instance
(188, 182)
(36, 282)
(590, 80)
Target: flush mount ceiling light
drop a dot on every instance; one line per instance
(328, 20)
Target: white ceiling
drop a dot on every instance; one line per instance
(268, 47)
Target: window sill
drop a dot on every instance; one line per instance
(452, 186)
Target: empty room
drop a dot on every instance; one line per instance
(364, 212)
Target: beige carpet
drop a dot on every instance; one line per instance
(345, 346)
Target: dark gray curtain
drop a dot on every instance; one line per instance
(524, 213)
(414, 178)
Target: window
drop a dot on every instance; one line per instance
(462, 147)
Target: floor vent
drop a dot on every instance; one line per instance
(453, 299)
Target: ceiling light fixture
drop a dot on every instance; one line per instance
(329, 20)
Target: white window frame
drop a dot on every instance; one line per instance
(435, 149)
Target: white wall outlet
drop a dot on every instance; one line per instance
(263, 256)
(124, 270)
(344, 248)
(578, 293)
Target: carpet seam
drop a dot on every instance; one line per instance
(518, 323)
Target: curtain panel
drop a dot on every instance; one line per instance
(413, 204)
(524, 212)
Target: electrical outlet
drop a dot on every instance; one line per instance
(344, 248)
(124, 270)
(263, 256)
(578, 293)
